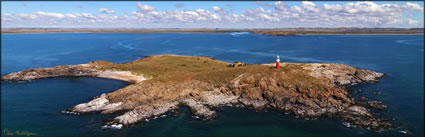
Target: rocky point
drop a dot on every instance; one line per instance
(162, 83)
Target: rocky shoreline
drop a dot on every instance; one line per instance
(81, 70)
(307, 90)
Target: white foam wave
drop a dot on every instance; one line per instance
(239, 33)
(70, 112)
(113, 126)
(129, 46)
(411, 41)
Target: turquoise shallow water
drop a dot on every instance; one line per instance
(36, 106)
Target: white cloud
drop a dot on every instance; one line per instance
(280, 6)
(105, 10)
(71, 16)
(55, 15)
(310, 6)
(409, 21)
(358, 14)
(332, 7)
(145, 8)
(26, 16)
(413, 6)
(219, 10)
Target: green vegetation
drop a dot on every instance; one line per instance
(166, 68)
(177, 68)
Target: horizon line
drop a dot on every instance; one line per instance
(211, 28)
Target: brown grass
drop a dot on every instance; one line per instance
(172, 68)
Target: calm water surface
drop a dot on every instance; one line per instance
(36, 106)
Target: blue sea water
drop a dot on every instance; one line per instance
(36, 106)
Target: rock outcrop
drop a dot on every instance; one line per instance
(306, 90)
(237, 64)
(68, 70)
(88, 70)
(377, 105)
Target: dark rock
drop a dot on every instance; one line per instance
(362, 103)
(377, 93)
(68, 70)
(363, 99)
(237, 64)
(369, 122)
(377, 105)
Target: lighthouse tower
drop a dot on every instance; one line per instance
(277, 62)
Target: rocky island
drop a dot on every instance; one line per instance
(162, 83)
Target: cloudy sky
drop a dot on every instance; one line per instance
(217, 14)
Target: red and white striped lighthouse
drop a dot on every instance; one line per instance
(277, 62)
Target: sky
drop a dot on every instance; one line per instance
(212, 14)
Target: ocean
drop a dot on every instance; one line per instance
(35, 107)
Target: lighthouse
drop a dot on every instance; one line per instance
(277, 62)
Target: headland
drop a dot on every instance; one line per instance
(162, 83)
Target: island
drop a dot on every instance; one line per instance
(263, 31)
(163, 83)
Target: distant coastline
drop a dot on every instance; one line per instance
(277, 31)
